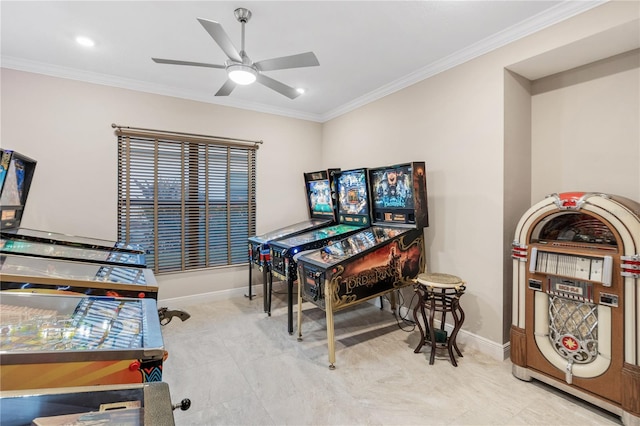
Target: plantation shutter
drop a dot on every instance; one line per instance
(188, 199)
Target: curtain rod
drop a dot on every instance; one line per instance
(117, 126)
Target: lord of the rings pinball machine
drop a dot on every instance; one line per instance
(387, 256)
(576, 299)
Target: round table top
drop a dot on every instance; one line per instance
(435, 279)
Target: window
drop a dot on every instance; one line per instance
(188, 199)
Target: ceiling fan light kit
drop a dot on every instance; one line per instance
(240, 69)
(241, 74)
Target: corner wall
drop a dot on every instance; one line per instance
(479, 170)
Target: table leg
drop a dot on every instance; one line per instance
(458, 323)
(420, 306)
(432, 334)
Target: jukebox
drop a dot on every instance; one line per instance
(576, 299)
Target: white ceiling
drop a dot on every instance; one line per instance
(366, 49)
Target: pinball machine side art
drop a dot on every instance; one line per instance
(83, 373)
(576, 299)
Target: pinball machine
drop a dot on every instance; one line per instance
(118, 258)
(320, 192)
(36, 274)
(146, 404)
(19, 246)
(16, 174)
(58, 340)
(353, 215)
(576, 299)
(69, 240)
(387, 256)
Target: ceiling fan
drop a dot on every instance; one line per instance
(242, 70)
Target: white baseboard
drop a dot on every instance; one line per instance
(465, 338)
(214, 296)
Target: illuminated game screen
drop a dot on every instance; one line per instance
(15, 179)
(320, 198)
(353, 197)
(392, 194)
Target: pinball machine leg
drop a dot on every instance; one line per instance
(299, 312)
(290, 305)
(328, 299)
(250, 296)
(265, 284)
(269, 293)
(392, 301)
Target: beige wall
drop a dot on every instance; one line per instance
(478, 155)
(586, 129)
(66, 126)
(480, 176)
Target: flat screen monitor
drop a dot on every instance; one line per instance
(353, 197)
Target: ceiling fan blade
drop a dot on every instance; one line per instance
(226, 88)
(193, 64)
(218, 34)
(281, 88)
(307, 59)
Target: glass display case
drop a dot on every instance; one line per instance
(34, 274)
(61, 340)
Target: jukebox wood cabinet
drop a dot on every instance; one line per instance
(576, 299)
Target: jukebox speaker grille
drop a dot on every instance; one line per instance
(573, 329)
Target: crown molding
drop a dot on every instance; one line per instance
(20, 64)
(558, 13)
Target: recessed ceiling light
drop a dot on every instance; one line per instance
(85, 41)
(300, 90)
